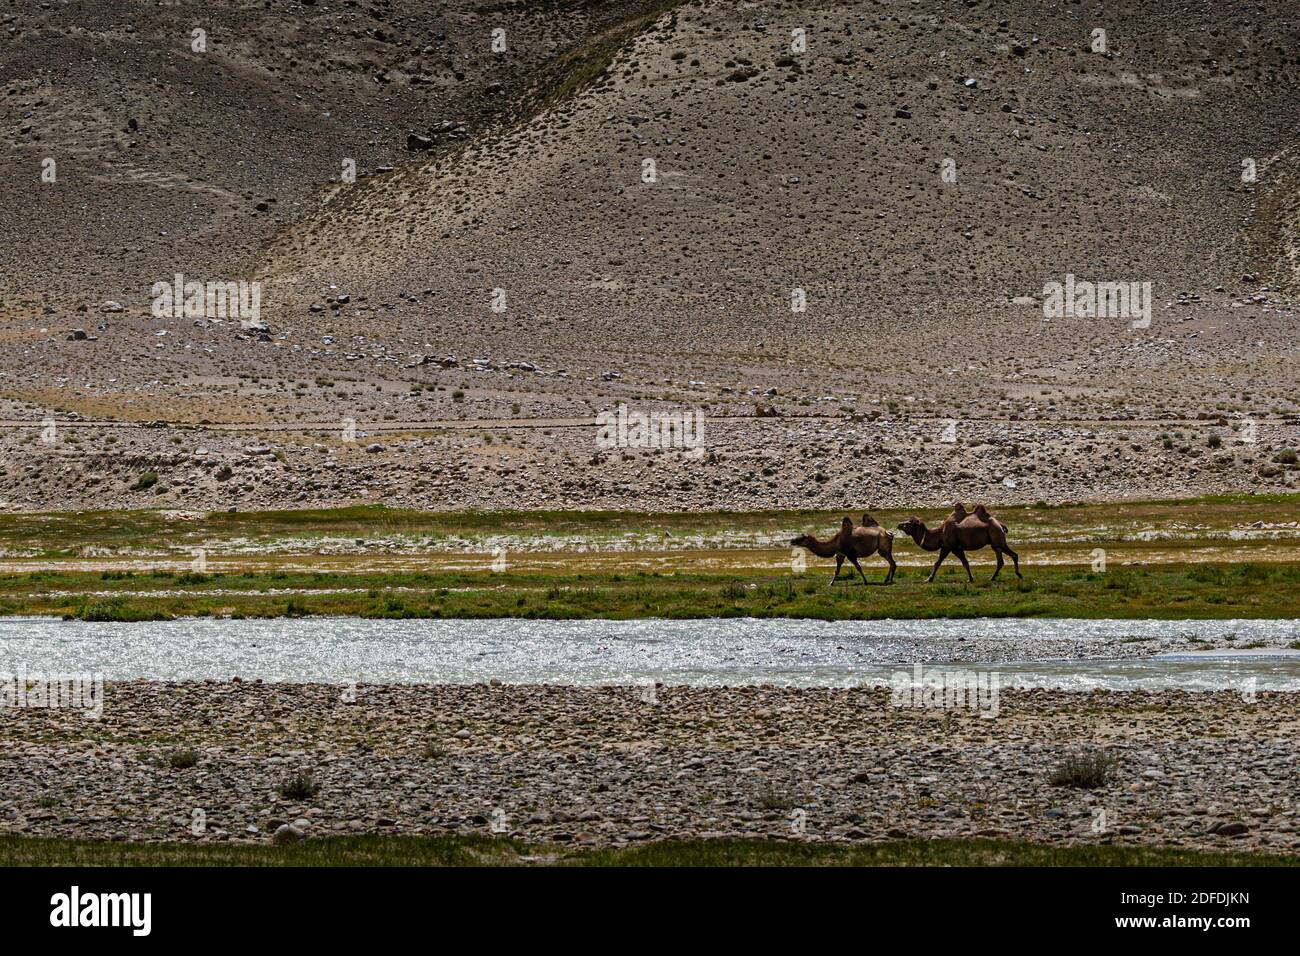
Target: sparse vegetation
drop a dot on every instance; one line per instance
(774, 798)
(300, 786)
(183, 759)
(1086, 770)
(117, 609)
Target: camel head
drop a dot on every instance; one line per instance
(912, 527)
(803, 541)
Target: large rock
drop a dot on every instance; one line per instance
(1234, 828)
(287, 833)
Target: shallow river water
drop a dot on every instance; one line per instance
(1072, 654)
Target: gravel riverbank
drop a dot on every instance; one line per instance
(607, 765)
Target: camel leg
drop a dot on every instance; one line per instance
(961, 556)
(893, 566)
(859, 567)
(839, 563)
(997, 552)
(943, 553)
(1015, 558)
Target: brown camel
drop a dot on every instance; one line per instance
(962, 532)
(853, 543)
(960, 514)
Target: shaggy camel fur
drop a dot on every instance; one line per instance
(962, 532)
(853, 543)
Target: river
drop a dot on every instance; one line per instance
(1069, 654)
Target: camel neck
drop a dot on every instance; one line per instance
(824, 549)
(926, 538)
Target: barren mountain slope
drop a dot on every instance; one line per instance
(821, 171)
(640, 193)
(176, 151)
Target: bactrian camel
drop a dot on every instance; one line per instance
(853, 544)
(962, 532)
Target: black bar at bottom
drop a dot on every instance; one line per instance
(333, 905)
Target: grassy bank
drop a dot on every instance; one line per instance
(1158, 591)
(1220, 557)
(164, 532)
(487, 851)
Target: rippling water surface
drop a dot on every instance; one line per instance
(1073, 654)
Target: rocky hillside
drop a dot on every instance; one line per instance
(180, 151)
(849, 211)
(914, 173)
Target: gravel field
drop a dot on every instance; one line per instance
(609, 766)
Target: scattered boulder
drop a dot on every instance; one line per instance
(1229, 828)
(287, 833)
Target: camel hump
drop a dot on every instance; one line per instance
(847, 524)
(869, 522)
(983, 515)
(959, 512)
